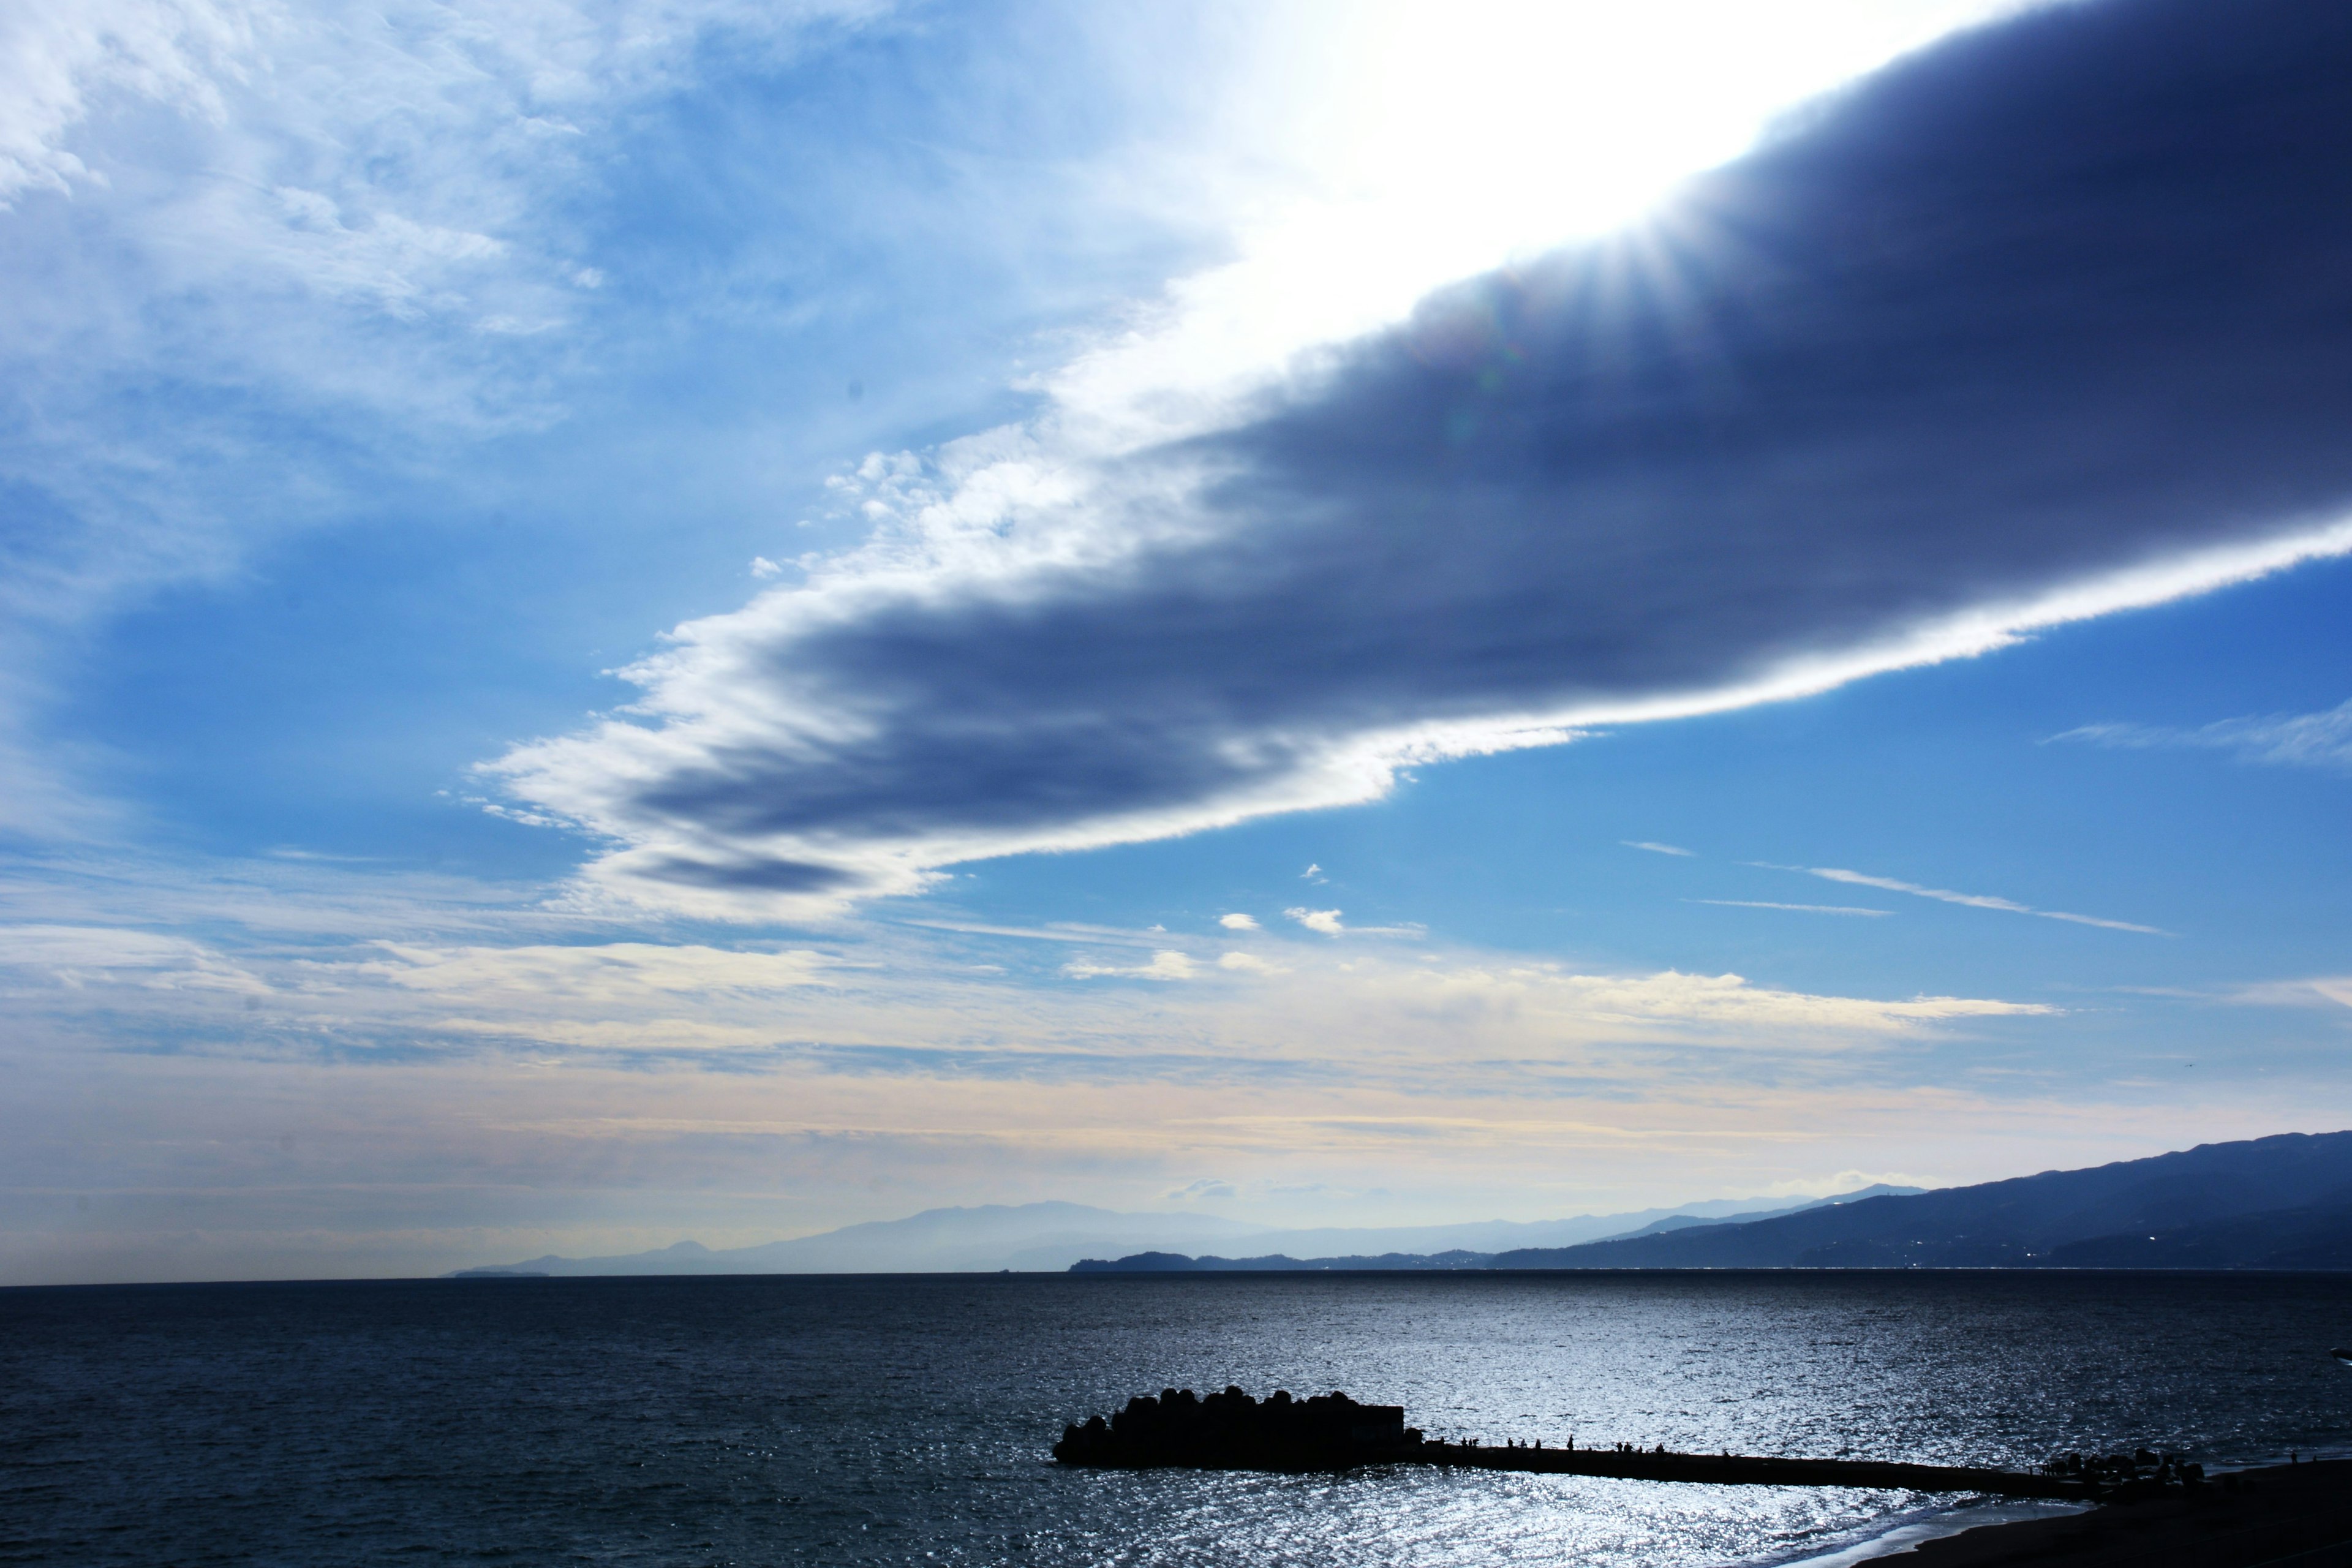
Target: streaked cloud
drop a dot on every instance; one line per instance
(605, 971)
(1801, 909)
(1659, 848)
(2322, 739)
(1666, 461)
(1972, 900)
(2326, 990)
(963, 998)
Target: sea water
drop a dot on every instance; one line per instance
(907, 1420)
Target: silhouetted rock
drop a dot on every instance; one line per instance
(1233, 1431)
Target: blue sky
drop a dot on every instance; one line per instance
(626, 621)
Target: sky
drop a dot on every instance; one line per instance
(663, 618)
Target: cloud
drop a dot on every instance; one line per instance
(2299, 740)
(1238, 922)
(1847, 1181)
(1206, 1187)
(57, 59)
(2334, 990)
(95, 957)
(1802, 908)
(599, 972)
(1166, 964)
(265, 260)
(2037, 324)
(1541, 998)
(334, 216)
(1327, 922)
(1658, 848)
(1973, 901)
(1249, 962)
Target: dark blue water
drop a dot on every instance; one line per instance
(906, 1420)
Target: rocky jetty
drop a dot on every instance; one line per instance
(1230, 1431)
(2139, 1474)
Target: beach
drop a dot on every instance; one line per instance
(2298, 1514)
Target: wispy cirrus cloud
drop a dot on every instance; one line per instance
(1800, 908)
(1667, 464)
(262, 258)
(1971, 901)
(1660, 848)
(2322, 739)
(2330, 989)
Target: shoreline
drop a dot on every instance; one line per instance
(2275, 1512)
(1889, 1537)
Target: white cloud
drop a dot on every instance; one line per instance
(1166, 964)
(1845, 1181)
(1329, 923)
(1656, 849)
(1249, 962)
(1973, 901)
(55, 61)
(2322, 739)
(1206, 1187)
(1238, 922)
(763, 567)
(1672, 997)
(334, 211)
(600, 973)
(80, 957)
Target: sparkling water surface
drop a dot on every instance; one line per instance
(906, 1420)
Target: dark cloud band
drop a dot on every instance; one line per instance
(2059, 299)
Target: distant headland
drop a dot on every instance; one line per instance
(2281, 1202)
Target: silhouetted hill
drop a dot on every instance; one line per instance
(2245, 1204)
(1452, 1257)
(2318, 1237)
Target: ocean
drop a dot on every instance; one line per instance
(878, 1419)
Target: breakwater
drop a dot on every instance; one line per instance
(1232, 1431)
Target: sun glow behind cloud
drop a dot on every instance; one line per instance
(1371, 154)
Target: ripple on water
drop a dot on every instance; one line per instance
(758, 1420)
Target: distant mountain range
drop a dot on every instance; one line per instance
(1171, 1262)
(1051, 1237)
(2270, 1203)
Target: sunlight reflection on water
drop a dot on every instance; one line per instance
(759, 1420)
